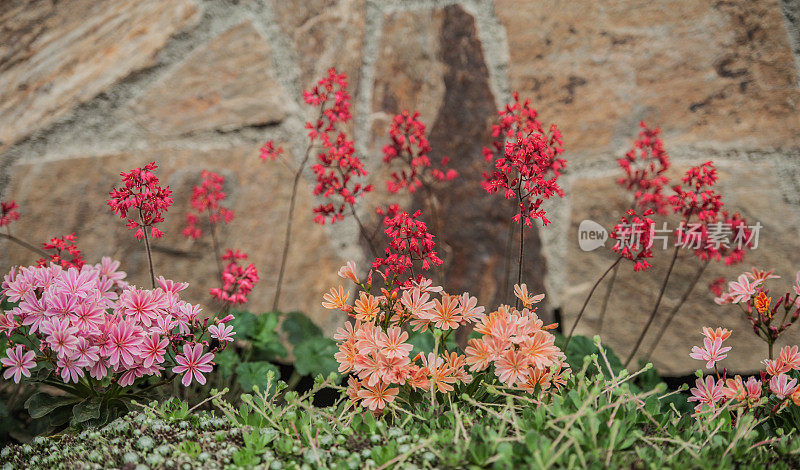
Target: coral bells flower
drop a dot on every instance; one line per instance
(66, 253)
(644, 166)
(237, 281)
(526, 162)
(409, 241)
(269, 152)
(8, 213)
(141, 195)
(330, 94)
(634, 235)
(696, 198)
(18, 364)
(410, 145)
(707, 392)
(193, 363)
(206, 201)
(781, 386)
(336, 171)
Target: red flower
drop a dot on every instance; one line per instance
(237, 281)
(268, 151)
(647, 179)
(409, 241)
(206, 199)
(141, 194)
(526, 161)
(634, 235)
(8, 213)
(338, 166)
(64, 247)
(410, 145)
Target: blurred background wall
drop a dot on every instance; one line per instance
(89, 89)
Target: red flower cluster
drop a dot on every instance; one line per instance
(526, 160)
(63, 248)
(337, 168)
(8, 213)
(409, 241)
(409, 144)
(237, 281)
(268, 151)
(206, 198)
(634, 235)
(331, 96)
(697, 198)
(647, 179)
(143, 194)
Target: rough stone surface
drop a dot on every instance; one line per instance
(257, 194)
(635, 293)
(325, 34)
(54, 55)
(227, 84)
(720, 72)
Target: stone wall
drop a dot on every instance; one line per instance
(89, 89)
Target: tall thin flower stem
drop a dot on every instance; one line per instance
(24, 244)
(215, 245)
(289, 219)
(655, 307)
(606, 297)
(507, 258)
(586, 302)
(675, 309)
(364, 232)
(149, 251)
(521, 239)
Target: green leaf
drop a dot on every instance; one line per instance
(227, 361)
(40, 404)
(299, 327)
(87, 409)
(315, 356)
(250, 374)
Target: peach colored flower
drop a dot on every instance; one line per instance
(366, 307)
(376, 397)
(446, 313)
(540, 349)
(762, 302)
(512, 367)
(336, 299)
(394, 344)
(796, 396)
(354, 385)
(470, 311)
(734, 389)
(521, 291)
(790, 357)
(720, 333)
(478, 355)
(346, 356)
(753, 387)
(348, 271)
(775, 367)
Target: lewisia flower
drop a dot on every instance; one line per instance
(18, 364)
(193, 363)
(707, 392)
(521, 292)
(221, 332)
(711, 352)
(781, 386)
(143, 198)
(742, 289)
(721, 333)
(91, 325)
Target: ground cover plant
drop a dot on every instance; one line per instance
(120, 375)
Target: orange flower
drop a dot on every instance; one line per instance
(447, 313)
(348, 271)
(762, 302)
(521, 291)
(796, 396)
(366, 307)
(378, 396)
(346, 356)
(734, 388)
(720, 333)
(790, 357)
(336, 300)
(512, 367)
(540, 349)
(478, 354)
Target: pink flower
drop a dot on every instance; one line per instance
(790, 357)
(18, 364)
(143, 306)
(221, 332)
(124, 341)
(708, 392)
(70, 370)
(171, 286)
(394, 344)
(193, 363)
(712, 352)
(742, 289)
(512, 367)
(348, 271)
(753, 387)
(153, 349)
(781, 386)
(61, 337)
(85, 353)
